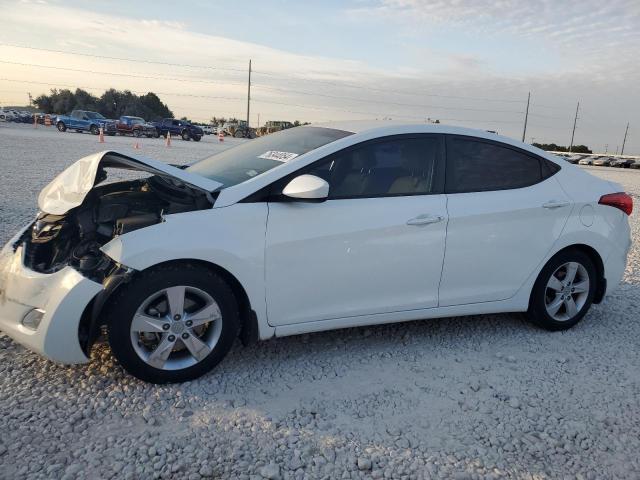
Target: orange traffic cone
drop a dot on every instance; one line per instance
(168, 141)
(136, 146)
(101, 135)
(220, 136)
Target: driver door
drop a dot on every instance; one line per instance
(376, 245)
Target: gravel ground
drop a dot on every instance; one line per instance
(465, 398)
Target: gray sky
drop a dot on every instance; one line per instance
(464, 62)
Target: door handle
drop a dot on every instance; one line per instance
(555, 204)
(425, 219)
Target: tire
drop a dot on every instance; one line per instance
(197, 138)
(129, 345)
(156, 134)
(61, 127)
(545, 298)
(94, 129)
(137, 133)
(185, 135)
(238, 134)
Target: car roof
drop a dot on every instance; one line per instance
(372, 128)
(381, 127)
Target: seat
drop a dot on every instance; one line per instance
(418, 167)
(350, 175)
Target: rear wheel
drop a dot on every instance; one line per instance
(173, 323)
(564, 291)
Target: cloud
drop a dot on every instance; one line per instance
(585, 51)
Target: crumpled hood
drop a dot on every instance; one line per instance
(69, 189)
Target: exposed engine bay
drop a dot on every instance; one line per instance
(75, 237)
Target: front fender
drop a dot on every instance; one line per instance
(231, 238)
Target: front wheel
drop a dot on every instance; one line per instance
(564, 291)
(137, 133)
(61, 127)
(173, 323)
(185, 136)
(197, 138)
(94, 130)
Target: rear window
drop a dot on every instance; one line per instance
(255, 157)
(479, 166)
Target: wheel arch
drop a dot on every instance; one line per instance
(94, 315)
(592, 253)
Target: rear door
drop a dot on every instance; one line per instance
(506, 209)
(375, 246)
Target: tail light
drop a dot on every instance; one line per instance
(618, 200)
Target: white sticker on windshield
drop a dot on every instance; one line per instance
(278, 156)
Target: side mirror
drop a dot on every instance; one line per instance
(307, 188)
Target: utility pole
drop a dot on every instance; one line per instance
(30, 98)
(574, 127)
(248, 97)
(526, 116)
(625, 139)
(606, 147)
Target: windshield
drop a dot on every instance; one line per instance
(136, 120)
(93, 115)
(255, 157)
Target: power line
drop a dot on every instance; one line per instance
(133, 75)
(270, 74)
(122, 59)
(339, 97)
(176, 94)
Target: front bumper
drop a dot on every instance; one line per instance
(63, 296)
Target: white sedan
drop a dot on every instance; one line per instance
(312, 228)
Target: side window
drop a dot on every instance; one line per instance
(477, 166)
(398, 166)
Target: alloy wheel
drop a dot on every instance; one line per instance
(567, 291)
(176, 327)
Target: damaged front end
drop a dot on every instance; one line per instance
(80, 213)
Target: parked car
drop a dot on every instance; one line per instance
(602, 161)
(586, 161)
(85, 121)
(208, 129)
(180, 128)
(136, 126)
(635, 164)
(574, 158)
(277, 237)
(622, 162)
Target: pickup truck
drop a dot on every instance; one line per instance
(136, 126)
(85, 121)
(180, 128)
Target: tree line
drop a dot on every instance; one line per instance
(112, 103)
(552, 147)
